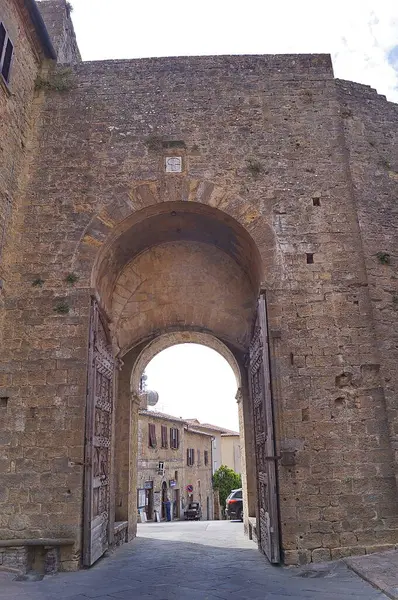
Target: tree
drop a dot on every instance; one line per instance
(225, 480)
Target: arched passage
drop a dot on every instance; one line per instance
(182, 337)
(182, 266)
(128, 404)
(175, 272)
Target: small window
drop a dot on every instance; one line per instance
(206, 457)
(6, 52)
(151, 435)
(174, 438)
(190, 457)
(2, 38)
(164, 436)
(198, 455)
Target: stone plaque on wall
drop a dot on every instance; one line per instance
(173, 164)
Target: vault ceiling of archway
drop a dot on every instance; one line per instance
(171, 222)
(182, 285)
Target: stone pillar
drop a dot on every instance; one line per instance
(248, 460)
(126, 431)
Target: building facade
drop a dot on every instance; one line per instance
(226, 445)
(174, 463)
(230, 451)
(247, 203)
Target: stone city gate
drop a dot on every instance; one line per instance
(97, 520)
(185, 255)
(172, 190)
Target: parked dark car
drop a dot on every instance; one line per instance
(234, 505)
(193, 512)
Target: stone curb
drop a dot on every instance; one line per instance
(374, 581)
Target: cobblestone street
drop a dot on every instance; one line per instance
(192, 561)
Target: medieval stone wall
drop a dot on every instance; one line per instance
(16, 122)
(261, 140)
(371, 133)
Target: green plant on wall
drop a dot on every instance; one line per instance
(308, 95)
(71, 278)
(38, 282)
(385, 163)
(62, 308)
(154, 143)
(60, 80)
(346, 113)
(254, 167)
(384, 258)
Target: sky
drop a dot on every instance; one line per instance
(360, 35)
(194, 382)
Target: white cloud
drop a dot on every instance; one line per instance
(357, 33)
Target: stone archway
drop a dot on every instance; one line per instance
(182, 337)
(183, 272)
(157, 345)
(91, 202)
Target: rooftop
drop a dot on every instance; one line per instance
(211, 427)
(154, 414)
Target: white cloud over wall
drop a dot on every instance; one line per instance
(358, 34)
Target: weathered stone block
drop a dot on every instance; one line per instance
(320, 554)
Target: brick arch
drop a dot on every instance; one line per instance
(181, 337)
(146, 198)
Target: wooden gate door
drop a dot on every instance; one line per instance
(261, 395)
(99, 412)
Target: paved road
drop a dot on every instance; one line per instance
(192, 561)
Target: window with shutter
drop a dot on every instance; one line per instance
(6, 53)
(151, 435)
(206, 457)
(164, 436)
(198, 455)
(174, 438)
(190, 457)
(2, 39)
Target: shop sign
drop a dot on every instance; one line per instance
(148, 485)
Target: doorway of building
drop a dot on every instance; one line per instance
(149, 504)
(176, 504)
(164, 499)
